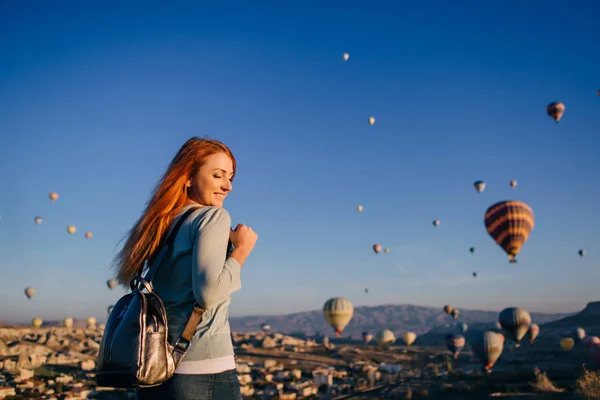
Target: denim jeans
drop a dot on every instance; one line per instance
(221, 386)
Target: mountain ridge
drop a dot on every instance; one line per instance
(396, 317)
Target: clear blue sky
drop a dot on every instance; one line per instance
(96, 99)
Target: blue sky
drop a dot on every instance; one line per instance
(96, 99)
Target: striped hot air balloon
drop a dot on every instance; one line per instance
(338, 312)
(509, 223)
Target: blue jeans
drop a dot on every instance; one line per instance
(221, 386)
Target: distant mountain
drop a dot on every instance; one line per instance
(399, 318)
(588, 318)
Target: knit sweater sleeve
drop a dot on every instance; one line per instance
(214, 276)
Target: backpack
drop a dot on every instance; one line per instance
(134, 351)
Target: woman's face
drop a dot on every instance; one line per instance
(211, 184)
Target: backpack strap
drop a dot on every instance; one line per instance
(166, 249)
(183, 343)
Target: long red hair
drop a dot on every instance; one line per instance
(167, 200)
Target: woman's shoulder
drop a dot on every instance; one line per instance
(208, 215)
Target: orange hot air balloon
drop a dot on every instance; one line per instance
(88, 235)
(376, 248)
(509, 223)
(53, 196)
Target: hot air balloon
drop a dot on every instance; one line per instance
(472, 250)
(371, 121)
(338, 312)
(409, 338)
(367, 337)
(513, 184)
(462, 327)
(29, 292)
(386, 337)
(111, 283)
(367, 290)
(36, 322)
(487, 346)
(265, 327)
(567, 343)
(91, 323)
(509, 224)
(479, 186)
(578, 334)
(387, 250)
(515, 322)
(555, 110)
(474, 274)
(455, 344)
(590, 341)
(436, 223)
(53, 196)
(454, 313)
(346, 56)
(88, 235)
(71, 229)
(359, 208)
(68, 322)
(533, 332)
(376, 248)
(581, 252)
(38, 220)
(448, 309)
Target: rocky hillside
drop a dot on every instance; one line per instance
(399, 318)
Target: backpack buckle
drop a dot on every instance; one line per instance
(181, 347)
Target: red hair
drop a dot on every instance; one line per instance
(167, 201)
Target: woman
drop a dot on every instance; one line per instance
(203, 269)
